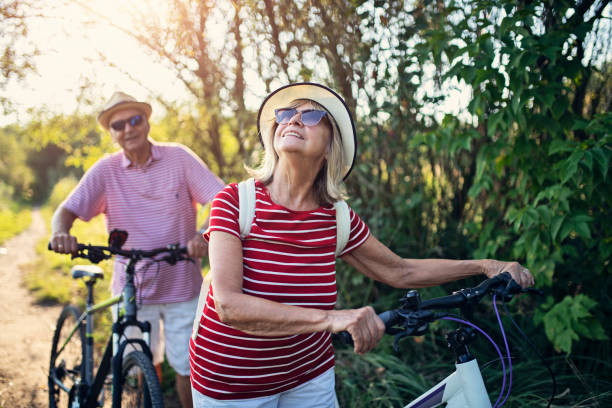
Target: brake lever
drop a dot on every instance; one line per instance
(513, 288)
(175, 257)
(94, 255)
(410, 331)
(416, 323)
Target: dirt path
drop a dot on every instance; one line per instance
(25, 327)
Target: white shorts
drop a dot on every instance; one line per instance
(176, 319)
(316, 393)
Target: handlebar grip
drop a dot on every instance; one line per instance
(344, 337)
(389, 318)
(49, 246)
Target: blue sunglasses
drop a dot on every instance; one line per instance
(119, 125)
(309, 117)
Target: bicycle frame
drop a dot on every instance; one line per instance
(463, 388)
(111, 359)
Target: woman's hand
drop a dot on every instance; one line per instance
(519, 273)
(364, 326)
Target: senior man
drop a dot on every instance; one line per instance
(149, 189)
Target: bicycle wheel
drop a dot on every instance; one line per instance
(66, 368)
(139, 384)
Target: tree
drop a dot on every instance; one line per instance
(16, 178)
(523, 172)
(13, 29)
(209, 63)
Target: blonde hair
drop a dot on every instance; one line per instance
(328, 185)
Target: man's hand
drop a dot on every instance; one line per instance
(61, 223)
(63, 243)
(197, 247)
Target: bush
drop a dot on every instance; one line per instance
(13, 220)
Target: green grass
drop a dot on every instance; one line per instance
(13, 220)
(48, 276)
(49, 280)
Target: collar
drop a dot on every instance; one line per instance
(155, 155)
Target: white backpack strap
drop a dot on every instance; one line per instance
(343, 226)
(246, 201)
(201, 303)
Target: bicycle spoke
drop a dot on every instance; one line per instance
(65, 368)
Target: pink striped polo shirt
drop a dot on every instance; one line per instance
(156, 205)
(288, 257)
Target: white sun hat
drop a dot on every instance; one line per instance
(120, 101)
(324, 96)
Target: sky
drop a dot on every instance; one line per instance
(70, 38)
(69, 43)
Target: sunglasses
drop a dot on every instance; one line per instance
(309, 117)
(120, 124)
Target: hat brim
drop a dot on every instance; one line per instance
(104, 116)
(323, 96)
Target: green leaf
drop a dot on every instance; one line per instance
(563, 341)
(580, 124)
(570, 166)
(493, 121)
(545, 214)
(556, 225)
(582, 218)
(582, 229)
(560, 145)
(570, 317)
(566, 228)
(559, 107)
(547, 96)
(596, 331)
(588, 160)
(602, 159)
(531, 217)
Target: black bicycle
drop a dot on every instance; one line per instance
(71, 373)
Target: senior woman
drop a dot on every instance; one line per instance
(264, 335)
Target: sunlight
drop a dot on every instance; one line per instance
(72, 42)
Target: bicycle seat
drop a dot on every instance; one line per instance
(87, 271)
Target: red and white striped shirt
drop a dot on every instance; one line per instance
(156, 205)
(288, 257)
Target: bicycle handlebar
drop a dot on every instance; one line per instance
(412, 318)
(98, 253)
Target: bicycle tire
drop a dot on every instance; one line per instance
(139, 383)
(66, 366)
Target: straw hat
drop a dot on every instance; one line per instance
(326, 98)
(119, 101)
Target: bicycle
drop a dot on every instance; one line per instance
(465, 386)
(71, 371)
